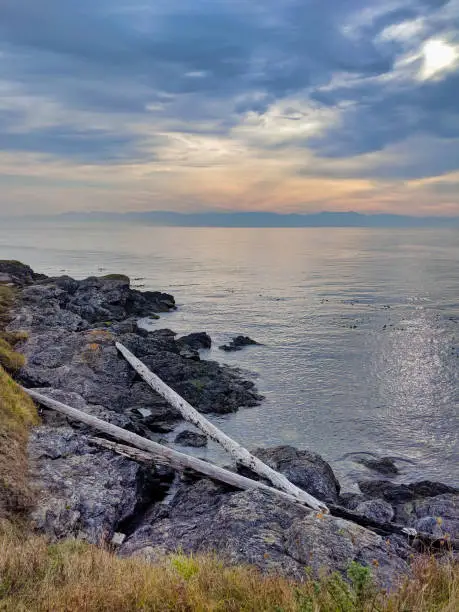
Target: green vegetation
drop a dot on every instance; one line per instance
(37, 577)
(9, 358)
(199, 384)
(116, 277)
(17, 414)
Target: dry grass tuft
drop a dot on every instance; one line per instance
(9, 358)
(17, 414)
(37, 577)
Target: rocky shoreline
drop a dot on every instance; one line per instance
(89, 493)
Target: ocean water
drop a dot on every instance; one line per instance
(360, 327)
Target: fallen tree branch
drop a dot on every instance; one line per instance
(383, 529)
(147, 451)
(238, 452)
(156, 452)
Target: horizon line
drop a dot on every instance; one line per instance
(260, 219)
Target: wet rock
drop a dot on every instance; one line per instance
(191, 438)
(427, 506)
(238, 343)
(207, 385)
(376, 510)
(384, 465)
(81, 491)
(253, 527)
(196, 341)
(305, 469)
(399, 493)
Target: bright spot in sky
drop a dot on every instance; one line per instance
(438, 56)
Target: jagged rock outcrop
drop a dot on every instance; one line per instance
(253, 527)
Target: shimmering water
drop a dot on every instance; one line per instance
(360, 327)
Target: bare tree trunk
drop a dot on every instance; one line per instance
(238, 452)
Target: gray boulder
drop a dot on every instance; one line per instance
(238, 343)
(400, 493)
(332, 544)
(376, 510)
(191, 438)
(254, 527)
(196, 341)
(305, 469)
(83, 492)
(438, 515)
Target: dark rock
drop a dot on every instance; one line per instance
(191, 438)
(400, 493)
(333, 544)
(351, 500)
(81, 491)
(427, 488)
(427, 506)
(188, 353)
(305, 469)
(18, 273)
(238, 343)
(110, 298)
(196, 341)
(384, 465)
(376, 510)
(253, 527)
(207, 385)
(6, 279)
(438, 515)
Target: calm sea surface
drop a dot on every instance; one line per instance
(360, 327)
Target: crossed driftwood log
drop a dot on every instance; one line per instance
(143, 450)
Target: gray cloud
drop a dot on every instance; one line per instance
(199, 66)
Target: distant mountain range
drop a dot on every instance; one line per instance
(257, 219)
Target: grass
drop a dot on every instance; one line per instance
(17, 414)
(36, 576)
(116, 277)
(9, 358)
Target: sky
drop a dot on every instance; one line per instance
(261, 105)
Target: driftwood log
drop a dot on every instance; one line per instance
(147, 451)
(156, 452)
(238, 452)
(383, 529)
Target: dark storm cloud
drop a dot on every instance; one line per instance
(382, 114)
(187, 62)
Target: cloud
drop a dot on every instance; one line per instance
(326, 89)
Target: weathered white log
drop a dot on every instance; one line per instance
(154, 451)
(180, 462)
(238, 452)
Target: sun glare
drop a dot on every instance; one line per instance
(438, 56)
